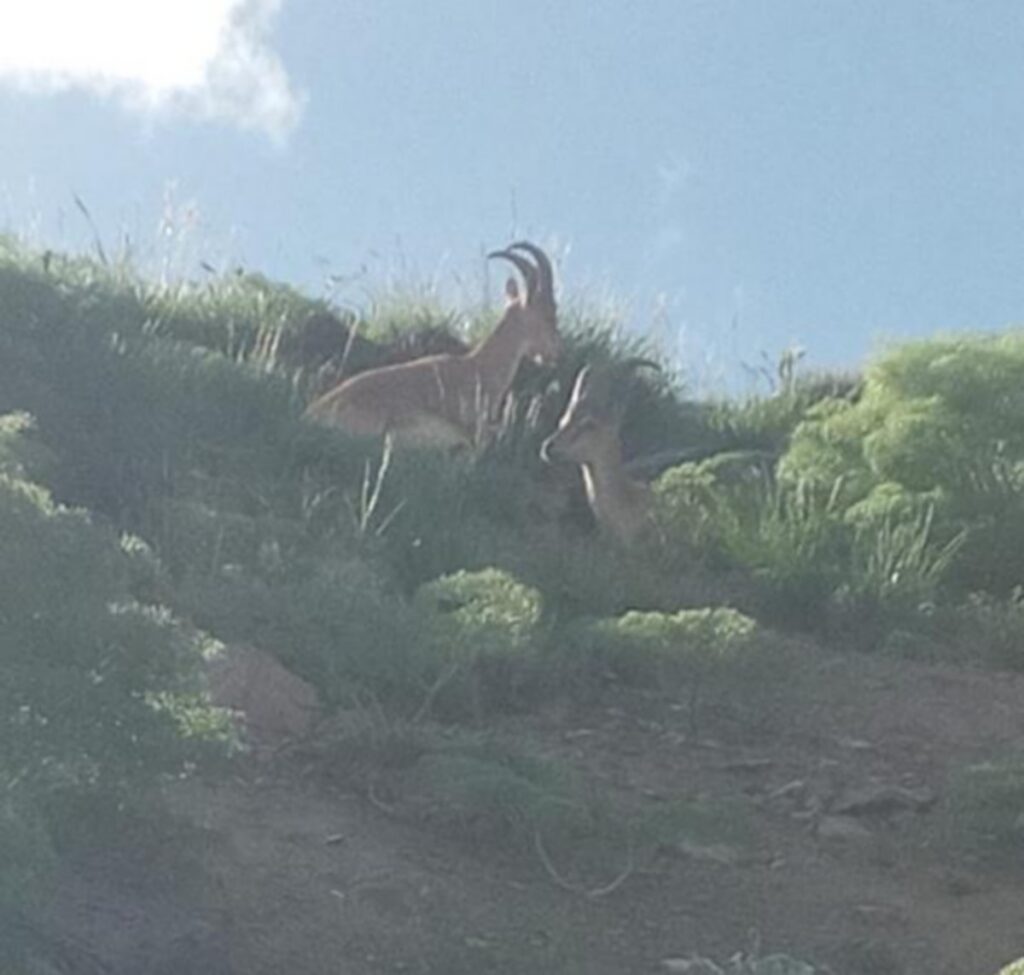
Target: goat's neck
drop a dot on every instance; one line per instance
(612, 493)
(498, 356)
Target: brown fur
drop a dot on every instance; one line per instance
(453, 399)
(588, 435)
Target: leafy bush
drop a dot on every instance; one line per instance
(892, 582)
(854, 573)
(101, 693)
(790, 537)
(484, 625)
(100, 689)
(484, 612)
(940, 419)
(1014, 968)
(696, 647)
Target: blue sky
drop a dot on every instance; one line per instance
(742, 175)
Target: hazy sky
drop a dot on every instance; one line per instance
(744, 175)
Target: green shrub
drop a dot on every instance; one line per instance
(688, 508)
(99, 689)
(788, 536)
(101, 694)
(856, 573)
(893, 580)
(484, 612)
(697, 648)
(940, 419)
(1014, 968)
(484, 625)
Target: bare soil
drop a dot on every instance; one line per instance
(279, 868)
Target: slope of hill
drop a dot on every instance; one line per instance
(503, 772)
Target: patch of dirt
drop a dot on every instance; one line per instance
(283, 872)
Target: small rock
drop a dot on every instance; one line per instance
(272, 701)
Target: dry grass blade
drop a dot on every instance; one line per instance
(97, 241)
(592, 893)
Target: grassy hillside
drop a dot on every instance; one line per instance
(159, 493)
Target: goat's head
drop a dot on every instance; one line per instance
(588, 431)
(535, 311)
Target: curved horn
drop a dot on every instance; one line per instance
(636, 362)
(525, 268)
(581, 381)
(593, 383)
(547, 277)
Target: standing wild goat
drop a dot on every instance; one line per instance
(453, 400)
(588, 434)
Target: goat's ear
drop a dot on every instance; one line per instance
(512, 292)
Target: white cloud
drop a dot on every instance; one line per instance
(206, 58)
